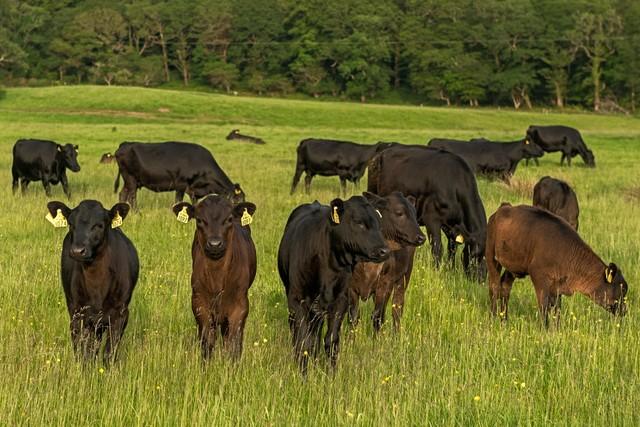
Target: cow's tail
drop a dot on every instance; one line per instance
(299, 167)
(373, 173)
(116, 184)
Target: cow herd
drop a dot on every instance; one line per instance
(330, 256)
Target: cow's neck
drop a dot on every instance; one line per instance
(586, 272)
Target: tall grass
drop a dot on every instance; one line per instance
(451, 364)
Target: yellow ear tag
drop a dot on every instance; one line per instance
(459, 239)
(237, 191)
(116, 221)
(609, 275)
(526, 141)
(334, 216)
(59, 221)
(183, 216)
(246, 218)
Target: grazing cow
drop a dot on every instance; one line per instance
(557, 197)
(446, 194)
(561, 138)
(99, 272)
(526, 240)
(171, 166)
(107, 158)
(320, 248)
(224, 266)
(237, 136)
(402, 234)
(490, 158)
(46, 161)
(326, 157)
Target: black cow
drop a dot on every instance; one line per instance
(99, 271)
(557, 197)
(237, 136)
(46, 161)
(171, 166)
(446, 194)
(327, 157)
(561, 138)
(320, 248)
(490, 158)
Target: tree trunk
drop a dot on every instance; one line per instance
(396, 67)
(559, 95)
(596, 73)
(633, 100)
(165, 56)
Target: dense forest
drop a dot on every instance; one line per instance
(520, 53)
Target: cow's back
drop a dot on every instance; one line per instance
(34, 152)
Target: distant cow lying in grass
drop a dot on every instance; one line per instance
(525, 240)
(99, 272)
(236, 135)
(557, 197)
(107, 158)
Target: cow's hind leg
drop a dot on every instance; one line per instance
(307, 182)
(354, 314)
(14, 182)
(296, 177)
(451, 251)
(343, 186)
(506, 283)
(47, 187)
(433, 232)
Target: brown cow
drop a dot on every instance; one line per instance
(527, 240)
(557, 197)
(107, 158)
(224, 267)
(402, 234)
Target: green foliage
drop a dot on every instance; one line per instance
(521, 53)
(451, 365)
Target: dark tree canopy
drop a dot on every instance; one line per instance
(520, 53)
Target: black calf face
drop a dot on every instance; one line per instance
(531, 149)
(232, 134)
(214, 216)
(398, 222)
(614, 291)
(357, 226)
(89, 224)
(589, 159)
(70, 155)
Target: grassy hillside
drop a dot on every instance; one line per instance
(452, 364)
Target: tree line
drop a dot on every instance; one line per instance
(521, 53)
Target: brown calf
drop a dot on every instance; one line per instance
(224, 267)
(402, 234)
(526, 240)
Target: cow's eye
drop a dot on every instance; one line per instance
(199, 222)
(399, 213)
(98, 226)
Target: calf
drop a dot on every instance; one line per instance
(327, 157)
(490, 158)
(171, 166)
(237, 136)
(402, 234)
(224, 266)
(557, 197)
(107, 158)
(46, 161)
(99, 272)
(526, 240)
(319, 250)
(561, 138)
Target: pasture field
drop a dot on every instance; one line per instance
(451, 364)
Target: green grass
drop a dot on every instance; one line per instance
(451, 365)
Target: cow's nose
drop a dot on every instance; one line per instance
(78, 251)
(420, 239)
(214, 243)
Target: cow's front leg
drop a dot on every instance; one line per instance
(65, 185)
(47, 186)
(117, 319)
(334, 323)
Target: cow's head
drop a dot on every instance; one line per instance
(588, 158)
(612, 290)
(89, 224)
(107, 158)
(215, 217)
(398, 219)
(69, 155)
(355, 229)
(530, 149)
(232, 134)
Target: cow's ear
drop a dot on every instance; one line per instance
(337, 210)
(610, 272)
(412, 200)
(375, 200)
(183, 211)
(244, 212)
(118, 213)
(75, 147)
(58, 214)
